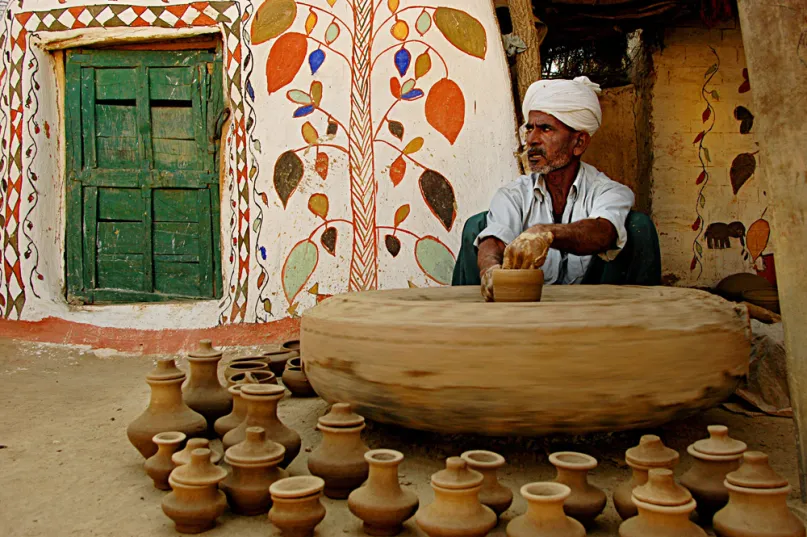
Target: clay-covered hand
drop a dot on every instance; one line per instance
(487, 283)
(528, 251)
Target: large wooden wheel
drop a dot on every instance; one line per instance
(587, 358)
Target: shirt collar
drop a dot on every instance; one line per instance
(539, 185)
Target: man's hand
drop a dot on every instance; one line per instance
(487, 283)
(528, 251)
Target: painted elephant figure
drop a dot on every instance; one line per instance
(718, 235)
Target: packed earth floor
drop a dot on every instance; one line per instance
(68, 468)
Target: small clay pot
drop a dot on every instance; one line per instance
(252, 377)
(295, 379)
(516, 285)
(254, 462)
(650, 453)
(757, 504)
(180, 458)
(296, 507)
(159, 466)
(545, 516)
(277, 359)
(203, 392)
(586, 502)
(339, 459)
(242, 367)
(232, 420)
(381, 503)
(291, 345)
(195, 502)
(456, 510)
(663, 509)
(493, 494)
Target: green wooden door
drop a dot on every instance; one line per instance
(143, 175)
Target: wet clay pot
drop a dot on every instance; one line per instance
(339, 459)
(545, 516)
(232, 420)
(195, 502)
(254, 468)
(166, 411)
(159, 466)
(663, 509)
(262, 400)
(713, 457)
(493, 494)
(296, 507)
(203, 392)
(295, 379)
(183, 457)
(278, 358)
(381, 503)
(757, 504)
(456, 510)
(650, 453)
(242, 367)
(252, 377)
(586, 502)
(517, 285)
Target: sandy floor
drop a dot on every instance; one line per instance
(68, 468)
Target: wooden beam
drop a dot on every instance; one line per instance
(528, 63)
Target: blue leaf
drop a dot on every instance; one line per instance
(412, 95)
(402, 60)
(250, 90)
(263, 252)
(315, 60)
(303, 111)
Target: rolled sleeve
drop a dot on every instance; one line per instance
(505, 219)
(613, 203)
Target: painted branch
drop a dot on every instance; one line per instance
(528, 63)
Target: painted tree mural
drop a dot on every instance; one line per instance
(328, 39)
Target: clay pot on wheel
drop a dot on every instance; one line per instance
(196, 502)
(650, 453)
(381, 503)
(203, 392)
(663, 509)
(166, 411)
(545, 516)
(277, 359)
(493, 494)
(252, 377)
(296, 507)
(232, 420)
(516, 285)
(339, 459)
(586, 502)
(159, 466)
(183, 457)
(295, 379)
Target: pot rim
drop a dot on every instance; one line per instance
(712, 458)
(247, 366)
(294, 488)
(588, 462)
(758, 492)
(475, 457)
(169, 437)
(235, 389)
(545, 492)
(256, 372)
(262, 391)
(396, 457)
(341, 430)
(665, 509)
(292, 345)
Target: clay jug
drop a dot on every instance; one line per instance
(159, 466)
(650, 453)
(381, 503)
(183, 457)
(663, 509)
(339, 459)
(262, 400)
(232, 420)
(757, 504)
(586, 502)
(545, 516)
(203, 392)
(278, 358)
(166, 411)
(493, 494)
(295, 379)
(456, 510)
(195, 502)
(713, 457)
(254, 468)
(296, 507)
(252, 377)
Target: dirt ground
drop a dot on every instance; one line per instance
(68, 468)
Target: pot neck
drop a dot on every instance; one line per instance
(348, 436)
(165, 394)
(262, 409)
(575, 479)
(204, 372)
(639, 476)
(384, 477)
(458, 502)
(666, 517)
(544, 512)
(768, 499)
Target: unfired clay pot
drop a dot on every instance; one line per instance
(650, 453)
(663, 509)
(517, 285)
(757, 504)
(456, 510)
(545, 516)
(262, 400)
(339, 459)
(196, 502)
(242, 367)
(232, 420)
(295, 379)
(296, 507)
(493, 494)
(291, 345)
(586, 502)
(159, 466)
(254, 462)
(381, 503)
(203, 392)
(713, 457)
(166, 411)
(252, 377)
(277, 359)
(184, 457)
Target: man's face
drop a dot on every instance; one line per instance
(551, 145)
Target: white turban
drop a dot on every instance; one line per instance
(573, 102)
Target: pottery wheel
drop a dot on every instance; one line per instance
(585, 359)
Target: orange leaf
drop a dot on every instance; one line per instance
(285, 59)
(414, 146)
(445, 109)
(395, 87)
(757, 238)
(397, 171)
(318, 204)
(261, 279)
(401, 214)
(322, 164)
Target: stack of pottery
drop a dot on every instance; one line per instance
(159, 466)
(278, 358)
(195, 502)
(650, 453)
(663, 509)
(236, 366)
(166, 411)
(585, 502)
(183, 457)
(295, 379)
(232, 420)
(252, 377)
(203, 392)
(339, 459)
(545, 516)
(296, 507)
(714, 457)
(757, 504)
(493, 494)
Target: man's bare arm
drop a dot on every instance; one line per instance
(584, 237)
(491, 253)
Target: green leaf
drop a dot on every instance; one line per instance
(699, 248)
(408, 86)
(422, 65)
(462, 30)
(715, 95)
(272, 19)
(706, 154)
(435, 260)
(709, 71)
(702, 201)
(299, 97)
(298, 268)
(424, 23)
(332, 33)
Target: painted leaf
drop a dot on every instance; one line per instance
(267, 306)
(435, 259)
(331, 2)
(272, 19)
(311, 22)
(395, 87)
(423, 65)
(315, 60)
(319, 205)
(745, 87)
(314, 289)
(393, 245)
(445, 109)
(701, 177)
(261, 279)
(400, 30)
(707, 114)
(403, 58)
(333, 128)
(706, 154)
(439, 197)
(316, 92)
(698, 138)
(408, 86)
(746, 119)
(285, 59)
(710, 70)
(757, 238)
(304, 111)
(715, 95)
(743, 167)
(702, 201)
(299, 97)
(332, 33)
(462, 30)
(694, 264)
(396, 128)
(288, 174)
(310, 134)
(424, 23)
(699, 248)
(413, 146)
(298, 268)
(697, 225)
(393, 5)
(322, 165)
(397, 171)
(401, 215)
(328, 240)
(413, 95)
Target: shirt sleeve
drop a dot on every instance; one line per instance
(505, 219)
(613, 202)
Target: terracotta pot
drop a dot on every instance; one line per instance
(296, 507)
(277, 359)
(252, 377)
(232, 420)
(456, 510)
(339, 459)
(663, 509)
(291, 345)
(545, 516)
(262, 400)
(586, 502)
(713, 459)
(295, 379)
(254, 468)
(493, 494)
(159, 466)
(757, 504)
(242, 367)
(381, 503)
(166, 411)
(650, 453)
(516, 285)
(732, 287)
(764, 298)
(203, 392)
(183, 457)
(195, 502)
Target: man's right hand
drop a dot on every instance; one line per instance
(529, 250)
(487, 283)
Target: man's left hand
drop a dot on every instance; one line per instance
(529, 250)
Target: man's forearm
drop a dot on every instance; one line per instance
(491, 252)
(584, 237)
